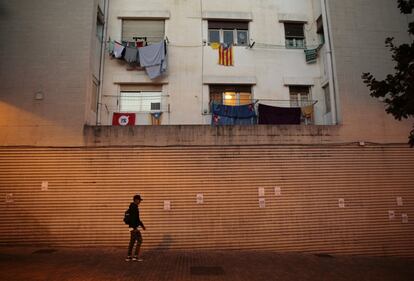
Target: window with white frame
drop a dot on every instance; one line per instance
(145, 31)
(299, 96)
(229, 32)
(136, 101)
(294, 35)
(230, 94)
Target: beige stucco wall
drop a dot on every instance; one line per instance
(359, 29)
(50, 50)
(45, 49)
(268, 66)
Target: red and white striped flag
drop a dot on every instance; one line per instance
(226, 55)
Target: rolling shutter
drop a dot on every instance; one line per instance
(77, 196)
(153, 30)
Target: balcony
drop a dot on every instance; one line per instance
(264, 112)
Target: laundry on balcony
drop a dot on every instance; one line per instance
(233, 115)
(119, 50)
(307, 111)
(154, 59)
(131, 54)
(279, 115)
(312, 54)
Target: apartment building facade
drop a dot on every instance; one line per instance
(269, 63)
(339, 182)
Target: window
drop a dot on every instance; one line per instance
(230, 94)
(94, 96)
(327, 95)
(319, 30)
(140, 101)
(229, 32)
(99, 24)
(300, 97)
(147, 31)
(294, 35)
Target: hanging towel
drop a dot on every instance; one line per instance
(111, 47)
(307, 111)
(233, 115)
(152, 55)
(225, 120)
(153, 71)
(240, 111)
(131, 54)
(278, 115)
(118, 50)
(225, 55)
(154, 59)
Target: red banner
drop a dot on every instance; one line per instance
(123, 119)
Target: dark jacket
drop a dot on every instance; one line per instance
(134, 215)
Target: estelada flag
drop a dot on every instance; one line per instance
(225, 55)
(123, 119)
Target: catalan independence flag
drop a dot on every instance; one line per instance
(226, 55)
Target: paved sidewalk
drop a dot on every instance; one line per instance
(92, 264)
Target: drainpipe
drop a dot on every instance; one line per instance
(330, 62)
(202, 63)
(101, 65)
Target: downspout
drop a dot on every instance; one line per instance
(202, 62)
(101, 65)
(330, 63)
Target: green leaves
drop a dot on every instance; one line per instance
(397, 90)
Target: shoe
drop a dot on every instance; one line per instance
(135, 258)
(128, 258)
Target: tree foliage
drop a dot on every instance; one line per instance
(397, 90)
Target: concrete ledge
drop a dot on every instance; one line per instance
(208, 135)
(292, 18)
(218, 15)
(212, 79)
(306, 81)
(131, 14)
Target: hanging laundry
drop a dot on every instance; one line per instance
(215, 45)
(139, 44)
(225, 55)
(154, 59)
(278, 115)
(307, 111)
(111, 47)
(131, 54)
(233, 115)
(311, 55)
(119, 50)
(241, 111)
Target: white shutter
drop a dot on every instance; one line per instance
(152, 29)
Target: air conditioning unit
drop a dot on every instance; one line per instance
(155, 106)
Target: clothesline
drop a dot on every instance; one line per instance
(257, 44)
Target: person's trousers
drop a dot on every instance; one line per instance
(135, 237)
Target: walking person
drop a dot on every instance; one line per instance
(134, 224)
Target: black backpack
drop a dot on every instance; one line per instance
(127, 217)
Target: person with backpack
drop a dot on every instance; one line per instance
(132, 219)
